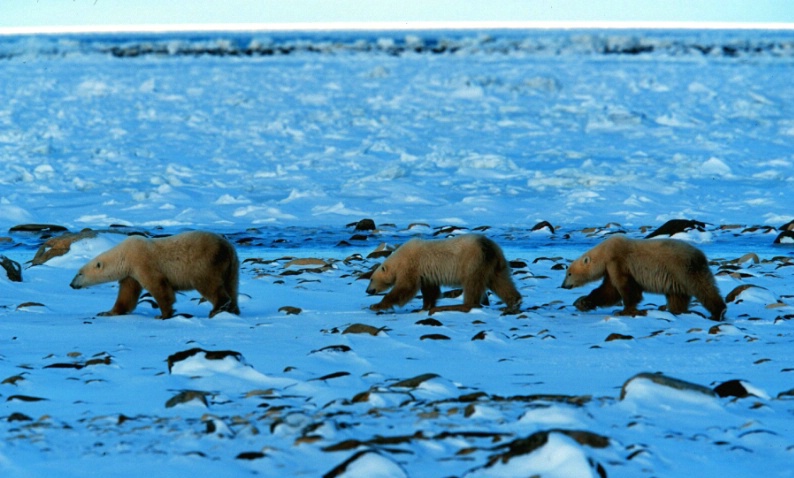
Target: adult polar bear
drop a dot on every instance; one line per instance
(630, 266)
(472, 261)
(193, 260)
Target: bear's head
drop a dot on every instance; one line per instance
(382, 279)
(106, 267)
(583, 270)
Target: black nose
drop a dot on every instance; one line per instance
(370, 291)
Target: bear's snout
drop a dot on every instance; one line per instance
(75, 284)
(371, 290)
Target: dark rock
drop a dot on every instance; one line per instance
(543, 225)
(208, 354)
(434, 337)
(13, 269)
(60, 245)
(38, 228)
(670, 382)
(785, 237)
(675, 226)
(365, 225)
(340, 469)
(732, 388)
(362, 329)
(525, 446)
(289, 310)
(415, 381)
(616, 336)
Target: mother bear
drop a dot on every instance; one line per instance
(194, 260)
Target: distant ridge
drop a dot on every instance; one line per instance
(391, 26)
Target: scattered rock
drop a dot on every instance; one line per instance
(19, 417)
(525, 446)
(330, 376)
(13, 379)
(675, 226)
(543, 225)
(187, 396)
(60, 245)
(310, 261)
(616, 336)
(415, 381)
(333, 348)
(785, 237)
(750, 256)
(24, 398)
(38, 228)
(362, 329)
(289, 310)
(13, 269)
(363, 225)
(669, 382)
(732, 388)
(429, 322)
(25, 305)
(250, 455)
(434, 337)
(208, 355)
(367, 463)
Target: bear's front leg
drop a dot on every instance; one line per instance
(631, 293)
(127, 299)
(397, 296)
(602, 296)
(430, 295)
(164, 295)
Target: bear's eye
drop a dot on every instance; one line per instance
(586, 260)
(98, 265)
(383, 268)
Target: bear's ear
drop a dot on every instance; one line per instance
(586, 260)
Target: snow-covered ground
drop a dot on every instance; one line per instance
(281, 143)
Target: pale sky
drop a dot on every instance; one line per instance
(37, 14)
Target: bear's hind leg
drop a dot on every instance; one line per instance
(127, 299)
(473, 292)
(502, 285)
(631, 294)
(677, 303)
(218, 295)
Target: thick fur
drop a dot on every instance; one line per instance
(630, 267)
(472, 262)
(195, 260)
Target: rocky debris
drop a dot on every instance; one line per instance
(543, 225)
(666, 381)
(13, 269)
(207, 355)
(42, 229)
(60, 245)
(363, 225)
(676, 226)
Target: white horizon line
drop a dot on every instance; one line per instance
(391, 26)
